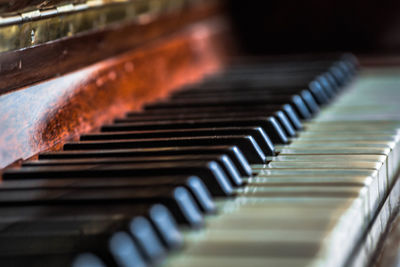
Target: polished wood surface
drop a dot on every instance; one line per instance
(26, 66)
(42, 116)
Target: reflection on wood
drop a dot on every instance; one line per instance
(26, 66)
(39, 117)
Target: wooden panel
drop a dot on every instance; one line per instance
(44, 115)
(26, 66)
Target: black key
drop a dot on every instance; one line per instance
(285, 124)
(87, 233)
(280, 116)
(195, 186)
(77, 230)
(332, 81)
(210, 172)
(279, 83)
(269, 125)
(87, 260)
(326, 86)
(291, 114)
(338, 74)
(239, 89)
(116, 249)
(145, 236)
(254, 92)
(319, 93)
(309, 100)
(160, 217)
(124, 250)
(224, 160)
(246, 144)
(256, 132)
(178, 200)
(180, 153)
(346, 69)
(162, 114)
(296, 101)
(246, 92)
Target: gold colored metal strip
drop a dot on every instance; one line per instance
(40, 26)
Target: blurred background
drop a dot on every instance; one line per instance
(265, 27)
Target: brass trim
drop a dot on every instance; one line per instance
(40, 26)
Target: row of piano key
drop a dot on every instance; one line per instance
(123, 196)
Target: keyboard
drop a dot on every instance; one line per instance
(289, 162)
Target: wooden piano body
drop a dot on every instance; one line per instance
(61, 76)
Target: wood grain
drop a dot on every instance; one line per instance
(26, 66)
(42, 116)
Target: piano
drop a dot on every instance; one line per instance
(142, 133)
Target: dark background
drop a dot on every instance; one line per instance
(316, 26)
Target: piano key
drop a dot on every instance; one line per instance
(310, 101)
(61, 260)
(278, 209)
(326, 78)
(339, 74)
(335, 136)
(252, 94)
(353, 127)
(78, 231)
(292, 116)
(329, 91)
(81, 229)
(316, 88)
(161, 218)
(208, 171)
(341, 150)
(256, 132)
(225, 261)
(266, 75)
(296, 102)
(319, 93)
(269, 125)
(266, 216)
(245, 143)
(192, 183)
(117, 249)
(285, 123)
(280, 116)
(218, 243)
(266, 79)
(181, 112)
(356, 201)
(316, 164)
(311, 211)
(279, 180)
(379, 176)
(306, 95)
(304, 68)
(142, 231)
(387, 147)
(177, 152)
(178, 200)
(225, 162)
(345, 159)
(123, 250)
(87, 260)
